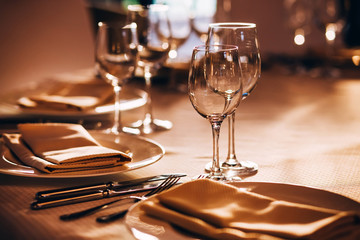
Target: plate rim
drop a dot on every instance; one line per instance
(146, 162)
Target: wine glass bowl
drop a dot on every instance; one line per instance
(244, 36)
(179, 18)
(154, 42)
(202, 14)
(116, 57)
(215, 90)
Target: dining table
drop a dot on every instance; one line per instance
(301, 130)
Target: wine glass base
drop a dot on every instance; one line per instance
(223, 178)
(154, 126)
(244, 168)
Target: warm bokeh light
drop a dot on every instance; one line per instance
(299, 38)
(172, 54)
(356, 60)
(330, 32)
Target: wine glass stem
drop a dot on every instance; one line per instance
(231, 157)
(148, 114)
(215, 169)
(117, 127)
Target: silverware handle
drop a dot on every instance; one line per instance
(111, 217)
(59, 202)
(89, 211)
(70, 192)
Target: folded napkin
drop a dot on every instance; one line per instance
(70, 96)
(61, 147)
(220, 211)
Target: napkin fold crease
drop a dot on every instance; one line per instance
(220, 211)
(61, 147)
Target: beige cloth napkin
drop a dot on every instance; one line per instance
(61, 147)
(220, 211)
(70, 96)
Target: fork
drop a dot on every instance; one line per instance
(166, 184)
(117, 215)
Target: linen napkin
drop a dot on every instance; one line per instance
(220, 211)
(78, 96)
(61, 147)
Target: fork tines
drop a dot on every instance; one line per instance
(166, 184)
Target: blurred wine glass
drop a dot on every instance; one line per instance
(116, 57)
(299, 18)
(154, 42)
(215, 90)
(244, 36)
(202, 14)
(329, 15)
(179, 18)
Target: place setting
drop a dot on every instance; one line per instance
(219, 205)
(17, 159)
(69, 96)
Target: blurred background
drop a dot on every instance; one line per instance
(315, 37)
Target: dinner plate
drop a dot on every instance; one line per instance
(143, 151)
(131, 98)
(145, 227)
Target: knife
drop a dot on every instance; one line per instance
(95, 189)
(99, 194)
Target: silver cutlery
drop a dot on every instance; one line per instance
(117, 215)
(89, 196)
(95, 188)
(166, 184)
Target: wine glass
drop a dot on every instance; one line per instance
(177, 62)
(179, 18)
(243, 35)
(215, 90)
(202, 14)
(329, 19)
(299, 18)
(154, 41)
(116, 57)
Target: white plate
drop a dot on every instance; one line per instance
(144, 152)
(144, 227)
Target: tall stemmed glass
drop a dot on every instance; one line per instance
(329, 18)
(154, 41)
(179, 18)
(215, 90)
(116, 57)
(243, 35)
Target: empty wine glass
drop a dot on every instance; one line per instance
(154, 41)
(244, 36)
(116, 58)
(329, 19)
(179, 18)
(202, 14)
(215, 90)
